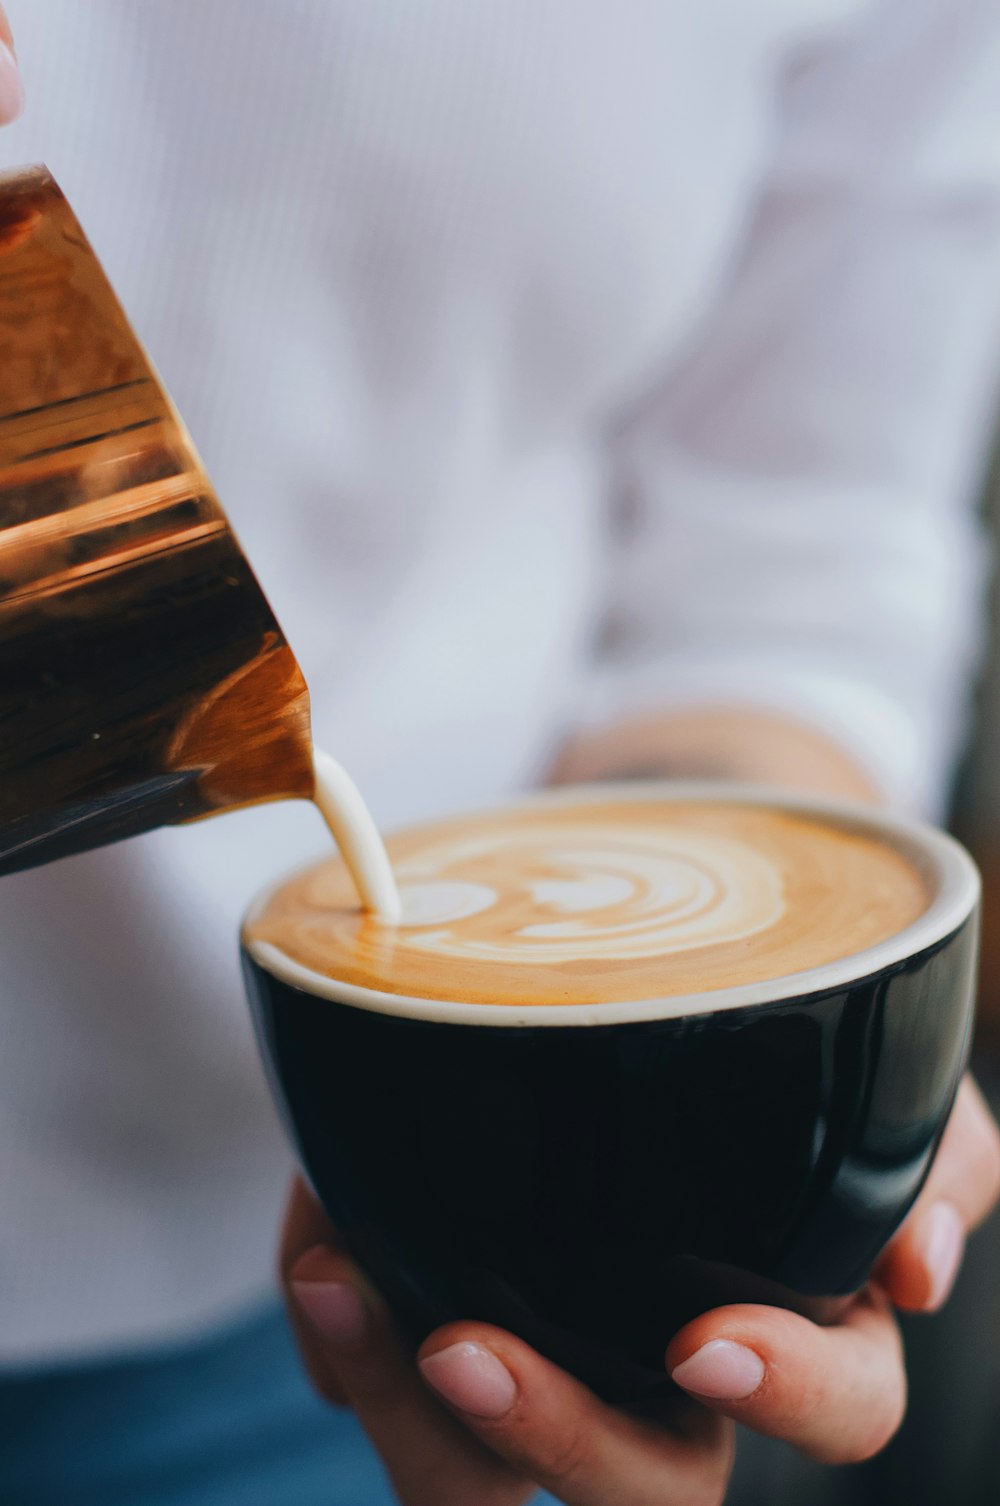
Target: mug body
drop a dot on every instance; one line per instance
(592, 1178)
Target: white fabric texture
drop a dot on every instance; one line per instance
(555, 362)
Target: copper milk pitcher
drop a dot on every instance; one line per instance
(143, 677)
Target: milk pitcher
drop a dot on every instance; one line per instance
(144, 679)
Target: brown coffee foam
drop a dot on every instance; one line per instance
(816, 891)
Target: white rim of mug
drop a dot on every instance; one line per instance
(938, 857)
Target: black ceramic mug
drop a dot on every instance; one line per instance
(592, 1177)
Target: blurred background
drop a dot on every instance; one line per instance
(977, 796)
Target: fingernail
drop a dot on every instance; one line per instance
(335, 1310)
(943, 1244)
(11, 92)
(471, 1378)
(721, 1370)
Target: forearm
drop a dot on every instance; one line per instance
(718, 743)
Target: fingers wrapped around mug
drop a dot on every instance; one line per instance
(837, 1394)
(305, 1227)
(919, 1268)
(484, 1417)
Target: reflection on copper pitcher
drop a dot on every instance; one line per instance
(143, 677)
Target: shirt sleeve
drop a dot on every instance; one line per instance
(797, 528)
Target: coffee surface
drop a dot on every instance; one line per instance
(616, 901)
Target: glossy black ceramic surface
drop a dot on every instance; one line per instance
(592, 1188)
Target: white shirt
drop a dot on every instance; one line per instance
(555, 360)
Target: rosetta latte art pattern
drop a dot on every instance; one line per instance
(623, 900)
(601, 896)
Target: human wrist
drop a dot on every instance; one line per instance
(721, 742)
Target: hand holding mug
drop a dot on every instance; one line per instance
(605, 1192)
(483, 1417)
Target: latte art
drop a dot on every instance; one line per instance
(592, 902)
(598, 896)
